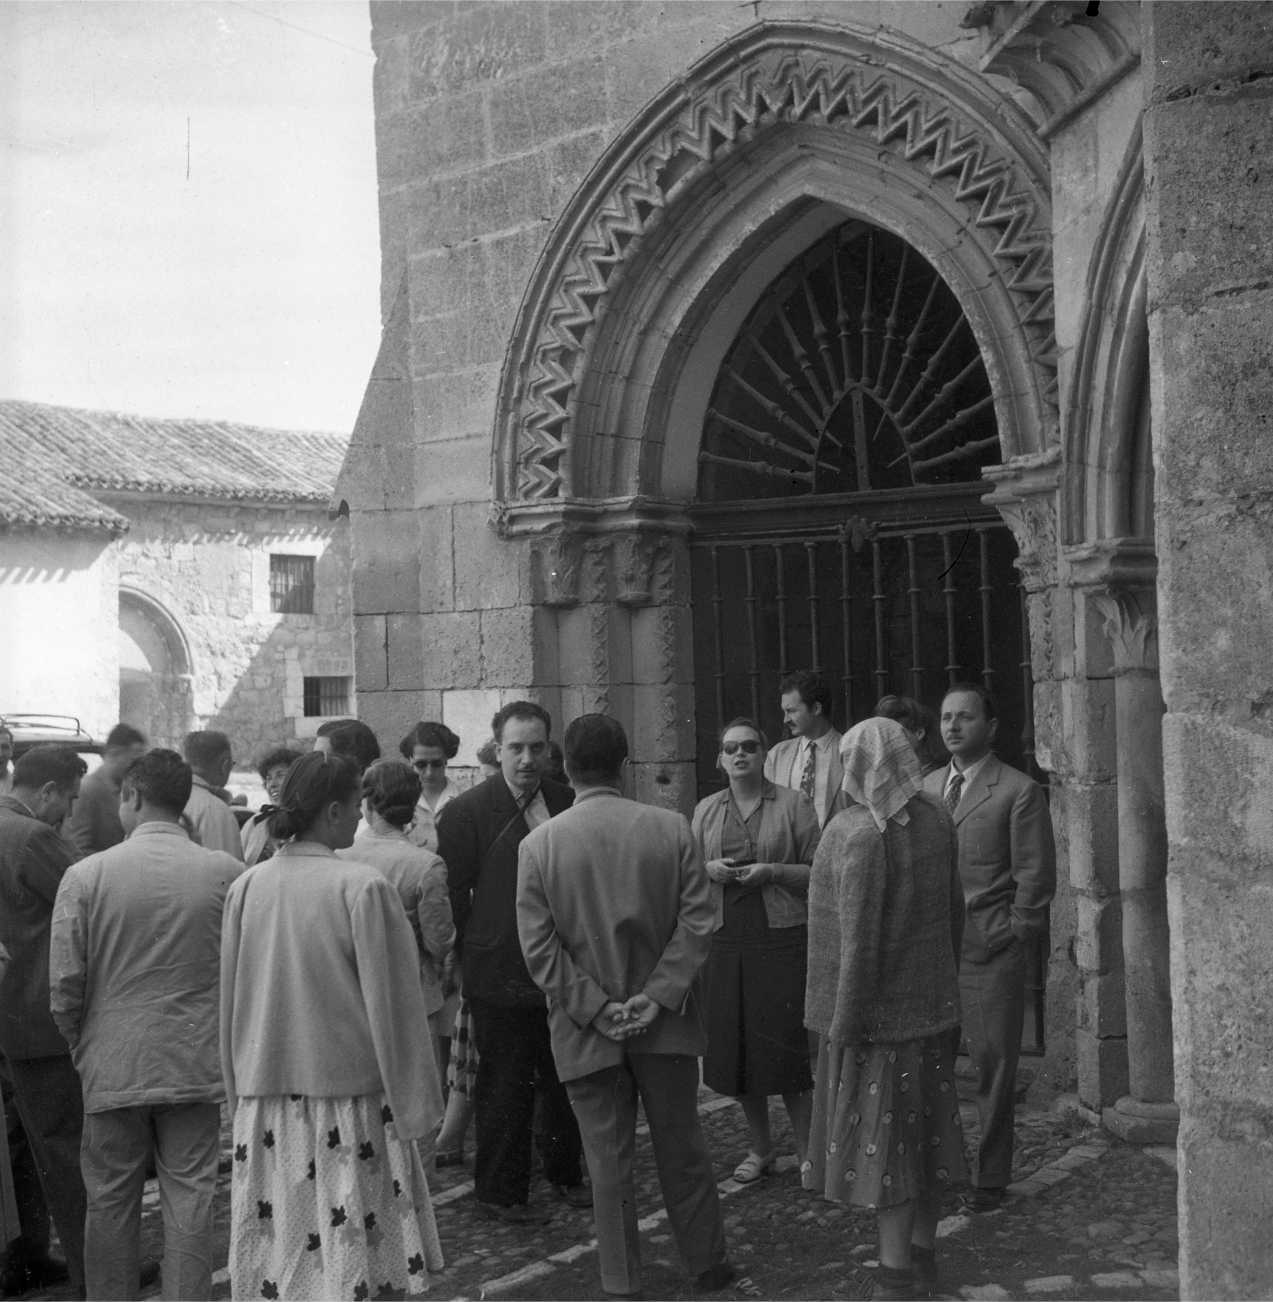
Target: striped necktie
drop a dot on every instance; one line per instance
(954, 789)
(810, 769)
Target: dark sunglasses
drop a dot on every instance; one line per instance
(749, 747)
(428, 764)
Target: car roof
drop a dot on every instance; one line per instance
(48, 729)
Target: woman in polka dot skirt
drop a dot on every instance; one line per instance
(328, 1074)
(885, 918)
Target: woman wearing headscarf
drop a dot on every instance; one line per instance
(757, 840)
(885, 916)
(328, 1075)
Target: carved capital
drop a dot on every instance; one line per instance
(1025, 494)
(1130, 616)
(633, 560)
(558, 560)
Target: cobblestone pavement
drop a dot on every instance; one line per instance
(1087, 1217)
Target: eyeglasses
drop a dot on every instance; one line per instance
(421, 765)
(749, 747)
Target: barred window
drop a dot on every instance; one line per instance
(326, 698)
(292, 585)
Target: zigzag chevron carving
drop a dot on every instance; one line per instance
(779, 86)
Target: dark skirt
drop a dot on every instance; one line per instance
(755, 977)
(886, 1123)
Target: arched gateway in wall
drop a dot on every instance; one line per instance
(875, 213)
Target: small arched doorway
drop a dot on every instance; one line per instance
(839, 524)
(154, 670)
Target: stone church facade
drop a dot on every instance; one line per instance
(913, 342)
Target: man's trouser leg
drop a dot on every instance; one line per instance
(187, 1138)
(559, 1143)
(50, 1104)
(993, 998)
(116, 1149)
(605, 1107)
(33, 1211)
(669, 1094)
(503, 1102)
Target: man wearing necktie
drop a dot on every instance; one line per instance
(1007, 865)
(809, 762)
(479, 833)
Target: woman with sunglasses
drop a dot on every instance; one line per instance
(427, 748)
(758, 841)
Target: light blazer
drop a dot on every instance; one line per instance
(782, 766)
(613, 901)
(478, 835)
(1007, 857)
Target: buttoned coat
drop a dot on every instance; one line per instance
(613, 901)
(782, 765)
(479, 833)
(1007, 856)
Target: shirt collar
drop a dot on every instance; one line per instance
(155, 828)
(520, 796)
(597, 791)
(969, 771)
(822, 743)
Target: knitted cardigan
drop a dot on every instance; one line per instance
(885, 916)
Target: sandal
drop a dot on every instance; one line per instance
(752, 1167)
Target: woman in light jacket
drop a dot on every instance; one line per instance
(758, 841)
(390, 790)
(327, 1075)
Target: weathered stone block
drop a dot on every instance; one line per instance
(1102, 1005)
(1087, 713)
(468, 714)
(466, 205)
(489, 570)
(583, 645)
(1225, 1248)
(670, 784)
(406, 652)
(391, 715)
(482, 43)
(1220, 954)
(458, 470)
(1098, 942)
(1101, 1064)
(446, 135)
(561, 100)
(662, 640)
(508, 646)
(452, 404)
(385, 561)
(364, 477)
(1093, 650)
(1091, 834)
(437, 564)
(1219, 778)
(1196, 55)
(584, 28)
(371, 664)
(569, 161)
(1215, 376)
(452, 649)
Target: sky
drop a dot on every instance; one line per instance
(188, 219)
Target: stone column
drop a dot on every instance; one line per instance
(1148, 1113)
(1209, 265)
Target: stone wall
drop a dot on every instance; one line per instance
(57, 608)
(207, 568)
(1209, 192)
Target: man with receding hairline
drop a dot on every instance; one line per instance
(211, 759)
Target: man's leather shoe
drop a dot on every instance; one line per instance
(511, 1213)
(149, 1273)
(984, 1199)
(716, 1277)
(573, 1195)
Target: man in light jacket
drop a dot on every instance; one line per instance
(134, 988)
(615, 918)
(211, 761)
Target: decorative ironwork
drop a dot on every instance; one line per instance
(856, 371)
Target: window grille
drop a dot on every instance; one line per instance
(326, 698)
(292, 585)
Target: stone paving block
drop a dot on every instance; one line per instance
(1050, 1284)
(1164, 1278)
(984, 1293)
(1116, 1279)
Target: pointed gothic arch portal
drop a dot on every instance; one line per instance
(839, 524)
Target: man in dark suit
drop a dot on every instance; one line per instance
(1007, 865)
(615, 912)
(479, 833)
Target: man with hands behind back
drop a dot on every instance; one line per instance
(615, 917)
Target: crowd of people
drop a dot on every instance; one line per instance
(376, 959)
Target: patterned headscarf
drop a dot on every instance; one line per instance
(881, 770)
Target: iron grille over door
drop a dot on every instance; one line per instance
(839, 525)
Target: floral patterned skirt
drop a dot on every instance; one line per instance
(327, 1202)
(885, 1124)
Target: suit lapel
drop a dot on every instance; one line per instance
(978, 790)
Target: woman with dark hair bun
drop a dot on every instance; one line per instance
(328, 1078)
(427, 748)
(390, 790)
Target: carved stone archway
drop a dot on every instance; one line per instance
(876, 103)
(155, 695)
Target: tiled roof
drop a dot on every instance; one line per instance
(55, 459)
